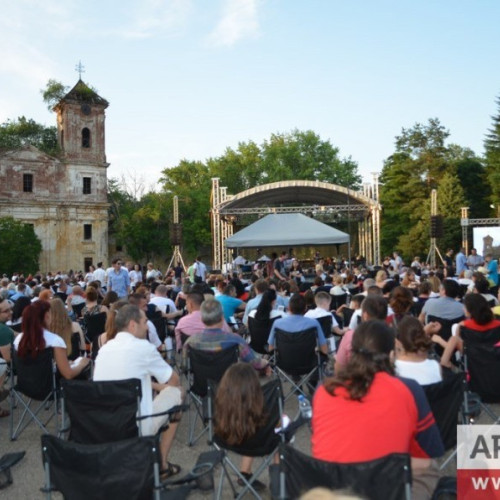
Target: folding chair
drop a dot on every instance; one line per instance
(259, 331)
(445, 332)
(93, 325)
(123, 469)
(386, 478)
(8, 461)
(204, 366)
(333, 340)
(338, 300)
(102, 412)
(35, 382)
(297, 359)
(482, 366)
(446, 399)
(264, 444)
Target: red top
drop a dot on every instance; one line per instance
(394, 417)
(472, 325)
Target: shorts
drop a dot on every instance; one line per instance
(166, 399)
(3, 367)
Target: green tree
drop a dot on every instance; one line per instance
(423, 161)
(22, 132)
(20, 247)
(191, 182)
(53, 92)
(450, 199)
(492, 157)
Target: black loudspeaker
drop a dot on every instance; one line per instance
(175, 234)
(436, 226)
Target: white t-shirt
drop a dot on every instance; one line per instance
(424, 372)
(162, 303)
(320, 313)
(51, 340)
(274, 314)
(127, 356)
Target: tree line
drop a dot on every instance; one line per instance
(423, 159)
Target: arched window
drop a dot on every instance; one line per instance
(85, 138)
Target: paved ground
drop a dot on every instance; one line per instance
(28, 474)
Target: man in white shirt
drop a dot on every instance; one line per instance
(163, 303)
(99, 274)
(323, 300)
(130, 355)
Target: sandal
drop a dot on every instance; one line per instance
(4, 413)
(171, 470)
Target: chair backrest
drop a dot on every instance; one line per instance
(338, 300)
(295, 353)
(445, 399)
(124, 469)
(326, 323)
(35, 377)
(445, 332)
(265, 439)
(209, 365)
(347, 313)
(160, 324)
(482, 363)
(77, 309)
(259, 333)
(94, 325)
(386, 478)
(102, 412)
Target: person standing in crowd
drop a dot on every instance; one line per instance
(200, 271)
(118, 279)
(460, 261)
(474, 260)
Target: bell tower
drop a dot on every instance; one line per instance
(81, 126)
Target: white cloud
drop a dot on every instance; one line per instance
(153, 17)
(239, 20)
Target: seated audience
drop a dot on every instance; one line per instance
(365, 412)
(413, 346)
(479, 318)
(36, 337)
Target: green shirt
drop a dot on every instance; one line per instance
(6, 335)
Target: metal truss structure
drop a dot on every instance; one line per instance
(323, 201)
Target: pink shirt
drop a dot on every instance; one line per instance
(344, 350)
(191, 324)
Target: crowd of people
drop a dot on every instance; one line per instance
(383, 341)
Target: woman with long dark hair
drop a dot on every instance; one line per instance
(265, 310)
(239, 411)
(479, 318)
(365, 412)
(36, 337)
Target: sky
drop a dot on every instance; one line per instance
(187, 79)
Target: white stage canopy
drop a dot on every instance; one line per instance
(286, 230)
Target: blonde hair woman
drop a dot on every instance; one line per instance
(69, 331)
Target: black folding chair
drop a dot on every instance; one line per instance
(446, 400)
(482, 366)
(338, 300)
(263, 444)
(77, 309)
(123, 469)
(386, 478)
(102, 412)
(445, 332)
(259, 331)
(35, 382)
(93, 325)
(202, 367)
(297, 359)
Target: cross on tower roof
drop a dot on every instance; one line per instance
(80, 68)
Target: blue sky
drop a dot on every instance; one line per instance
(188, 78)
